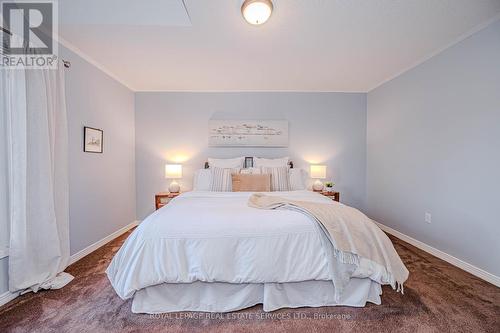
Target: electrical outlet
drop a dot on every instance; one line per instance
(428, 217)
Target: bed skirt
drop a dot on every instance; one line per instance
(227, 297)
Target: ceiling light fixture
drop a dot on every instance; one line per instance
(256, 11)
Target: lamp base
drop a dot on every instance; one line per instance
(174, 187)
(318, 186)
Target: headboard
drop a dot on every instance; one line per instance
(249, 163)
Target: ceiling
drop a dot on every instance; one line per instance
(307, 45)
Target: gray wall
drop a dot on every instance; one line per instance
(434, 146)
(102, 186)
(327, 128)
(4, 275)
(4, 233)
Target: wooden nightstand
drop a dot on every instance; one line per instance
(335, 196)
(163, 198)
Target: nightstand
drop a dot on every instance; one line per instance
(163, 198)
(335, 196)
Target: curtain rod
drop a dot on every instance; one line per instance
(66, 63)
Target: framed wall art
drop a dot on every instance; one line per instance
(92, 140)
(248, 133)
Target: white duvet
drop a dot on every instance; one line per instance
(217, 237)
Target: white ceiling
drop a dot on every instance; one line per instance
(307, 45)
(111, 12)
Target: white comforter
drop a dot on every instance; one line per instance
(216, 237)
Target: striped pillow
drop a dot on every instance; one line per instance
(221, 179)
(280, 180)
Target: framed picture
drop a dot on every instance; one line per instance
(248, 133)
(248, 162)
(92, 140)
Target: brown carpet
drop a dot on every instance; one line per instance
(438, 298)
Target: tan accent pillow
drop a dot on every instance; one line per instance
(251, 183)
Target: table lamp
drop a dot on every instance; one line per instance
(173, 171)
(318, 172)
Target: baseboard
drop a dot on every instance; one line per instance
(4, 252)
(7, 296)
(491, 278)
(91, 248)
(480, 273)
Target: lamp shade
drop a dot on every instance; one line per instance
(318, 171)
(173, 171)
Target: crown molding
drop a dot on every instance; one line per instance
(92, 61)
(252, 91)
(457, 40)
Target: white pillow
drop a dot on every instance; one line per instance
(250, 171)
(270, 162)
(297, 179)
(255, 171)
(280, 179)
(226, 162)
(222, 180)
(202, 180)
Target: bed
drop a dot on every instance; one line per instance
(210, 251)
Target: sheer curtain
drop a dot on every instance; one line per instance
(34, 106)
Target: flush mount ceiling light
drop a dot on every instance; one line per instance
(256, 11)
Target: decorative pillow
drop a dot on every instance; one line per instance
(226, 162)
(297, 179)
(250, 171)
(221, 179)
(280, 180)
(251, 183)
(202, 180)
(270, 162)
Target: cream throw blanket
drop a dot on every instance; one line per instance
(351, 233)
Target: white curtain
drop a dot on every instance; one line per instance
(37, 159)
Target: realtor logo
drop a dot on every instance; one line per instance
(28, 30)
